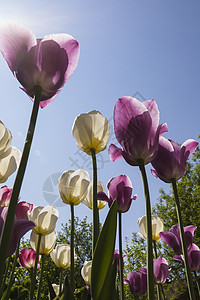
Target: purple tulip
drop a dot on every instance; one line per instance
(22, 208)
(137, 130)
(173, 239)
(27, 258)
(116, 256)
(47, 62)
(170, 161)
(161, 270)
(137, 282)
(193, 257)
(119, 188)
(19, 229)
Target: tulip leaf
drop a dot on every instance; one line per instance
(103, 254)
(109, 288)
(68, 295)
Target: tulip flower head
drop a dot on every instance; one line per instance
(86, 272)
(88, 200)
(22, 209)
(5, 194)
(10, 163)
(173, 239)
(73, 186)
(161, 270)
(27, 258)
(61, 256)
(46, 63)
(91, 131)
(157, 227)
(19, 229)
(119, 188)
(137, 130)
(47, 242)
(193, 258)
(45, 219)
(171, 160)
(5, 139)
(137, 282)
(116, 257)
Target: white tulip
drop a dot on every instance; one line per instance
(45, 219)
(61, 256)
(89, 196)
(9, 162)
(91, 131)
(5, 139)
(157, 227)
(86, 272)
(73, 186)
(47, 242)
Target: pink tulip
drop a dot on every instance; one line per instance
(193, 257)
(22, 208)
(27, 258)
(137, 130)
(120, 188)
(171, 160)
(161, 270)
(19, 229)
(5, 194)
(47, 63)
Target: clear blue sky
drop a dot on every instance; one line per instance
(149, 49)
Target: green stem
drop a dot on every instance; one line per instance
(32, 288)
(197, 282)
(162, 290)
(95, 229)
(61, 281)
(7, 228)
(156, 256)
(184, 248)
(41, 274)
(72, 249)
(150, 274)
(5, 275)
(121, 258)
(12, 273)
(155, 249)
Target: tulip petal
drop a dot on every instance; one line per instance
(102, 196)
(114, 152)
(189, 234)
(189, 147)
(15, 41)
(154, 113)
(9, 164)
(171, 241)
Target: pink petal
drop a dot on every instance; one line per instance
(114, 152)
(189, 146)
(15, 41)
(154, 112)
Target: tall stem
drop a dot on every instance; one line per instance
(150, 274)
(197, 282)
(7, 228)
(35, 269)
(95, 229)
(61, 280)
(5, 275)
(121, 258)
(72, 249)
(41, 274)
(158, 286)
(184, 248)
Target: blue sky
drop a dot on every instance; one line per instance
(146, 49)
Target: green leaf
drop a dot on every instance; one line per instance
(103, 254)
(68, 295)
(109, 288)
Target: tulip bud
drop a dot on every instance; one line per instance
(61, 256)
(73, 186)
(44, 218)
(10, 163)
(47, 242)
(27, 258)
(86, 272)
(91, 131)
(157, 227)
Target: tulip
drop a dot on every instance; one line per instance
(5, 194)
(44, 218)
(137, 282)
(19, 229)
(46, 63)
(47, 242)
(61, 256)
(173, 239)
(86, 272)
(89, 196)
(10, 163)
(161, 270)
(119, 188)
(137, 130)
(116, 257)
(157, 227)
(27, 258)
(22, 209)
(73, 186)
(91, 131)
(193, 257)
(170, 161)
(5, 139)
